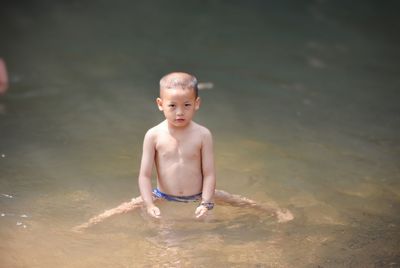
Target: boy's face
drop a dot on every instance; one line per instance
(178, 105)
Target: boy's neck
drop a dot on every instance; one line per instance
(175, 129)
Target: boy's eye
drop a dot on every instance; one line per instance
(188, 104)
(171, 105)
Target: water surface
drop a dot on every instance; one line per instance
(304, 114)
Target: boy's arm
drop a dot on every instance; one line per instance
(146, 167)
(207, 162)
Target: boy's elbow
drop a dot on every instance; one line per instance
(144, 178)
(209, 178)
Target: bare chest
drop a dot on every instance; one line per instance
(179, 149)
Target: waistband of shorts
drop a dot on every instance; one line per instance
(191, 198)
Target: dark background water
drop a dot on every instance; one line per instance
(304, 112)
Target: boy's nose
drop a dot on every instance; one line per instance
(179, 112)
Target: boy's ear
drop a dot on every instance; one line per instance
(197, 103)
(159, 104)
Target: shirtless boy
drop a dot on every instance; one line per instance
(182, 152)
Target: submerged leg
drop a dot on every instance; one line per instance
(123, 208)
(234, 200)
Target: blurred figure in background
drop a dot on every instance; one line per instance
(3, 77)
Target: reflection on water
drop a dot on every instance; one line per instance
(304, 111)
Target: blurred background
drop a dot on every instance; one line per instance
(304, 111)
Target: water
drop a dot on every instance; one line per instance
(304, 114)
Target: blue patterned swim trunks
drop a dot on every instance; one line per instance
(192, 198)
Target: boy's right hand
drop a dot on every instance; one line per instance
(154, 212)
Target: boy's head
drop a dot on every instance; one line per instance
(178, 80)
(178, 98)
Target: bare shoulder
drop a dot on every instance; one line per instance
(153, 132)
(204, 132)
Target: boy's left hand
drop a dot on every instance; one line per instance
(201, 211)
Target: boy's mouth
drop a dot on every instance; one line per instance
(180, 119)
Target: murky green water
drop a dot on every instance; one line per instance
(304, 114)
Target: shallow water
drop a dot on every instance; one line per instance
(304, 113)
